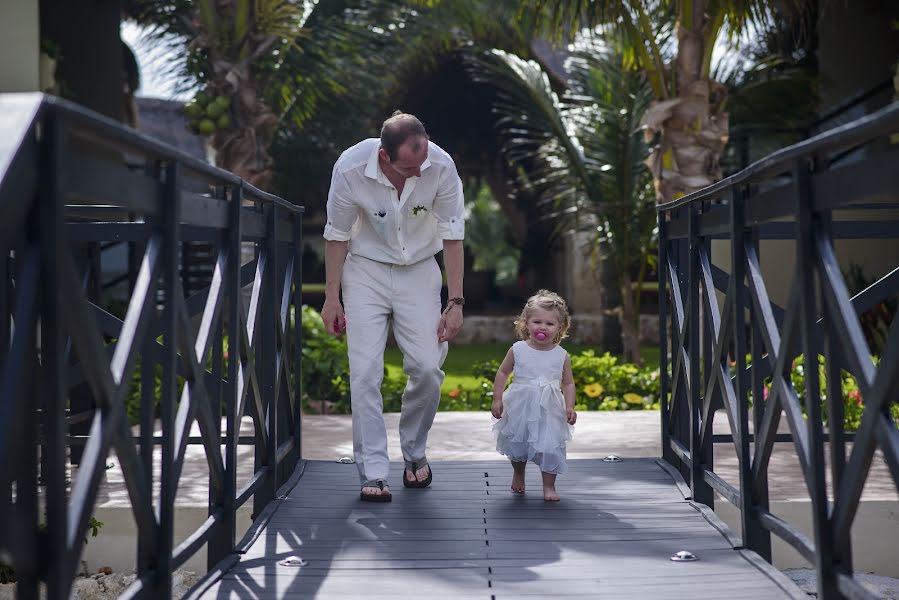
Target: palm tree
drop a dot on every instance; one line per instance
(688, 117)
(418, 39)
(582, 154)
(320, 71)
(261, 62)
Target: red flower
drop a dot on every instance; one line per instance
(857, 396)
(454, 393)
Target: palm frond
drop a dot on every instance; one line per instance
(533, 126)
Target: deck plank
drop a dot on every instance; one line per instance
(468, 537)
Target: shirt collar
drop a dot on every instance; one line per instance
(373, 171)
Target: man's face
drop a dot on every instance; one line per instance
(409, 158)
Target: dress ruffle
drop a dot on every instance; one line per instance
(534, 426)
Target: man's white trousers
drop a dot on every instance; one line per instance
(373, 292)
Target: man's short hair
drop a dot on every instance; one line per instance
(398, 128)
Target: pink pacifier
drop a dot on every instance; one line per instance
(541, 336)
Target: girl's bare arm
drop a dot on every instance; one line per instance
(568, 391)
(499, 383)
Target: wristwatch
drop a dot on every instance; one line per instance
(453, 302)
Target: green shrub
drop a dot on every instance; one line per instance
(853, 403)
(392, 392)
(326, 370)
(601, 383)
(604, 383)
(132, 402)
(326, 367)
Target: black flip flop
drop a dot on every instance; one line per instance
(416, 483)
(378, 483)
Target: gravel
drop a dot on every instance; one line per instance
(886, 588)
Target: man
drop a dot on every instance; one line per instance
(394, 203)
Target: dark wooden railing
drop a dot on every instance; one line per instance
(72, 183)
(723, 357)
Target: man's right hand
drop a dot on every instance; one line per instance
(334, 318)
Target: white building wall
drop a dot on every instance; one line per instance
(19, 46)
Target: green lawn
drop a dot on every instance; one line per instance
(459, 361)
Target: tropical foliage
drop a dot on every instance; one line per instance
(688, 120)
(286, 79)
(852, 400)
(273, 62)
(307, 78)
(582, 155)
(603, 382)
(487, 235)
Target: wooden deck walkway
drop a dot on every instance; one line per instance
(468, 536)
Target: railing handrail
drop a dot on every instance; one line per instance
(39, 105)
(837, 138)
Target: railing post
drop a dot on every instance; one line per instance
(665, 394)
(25, 434)
(679, 419)
(51, 380)
(707, 349)
(834, 360)
(755, 536)
(147, 540)
(266, 367)
(298, 332)
(808, 314)
(702, 491)
(222, 542)
(280, 349)
(171, 205)
(757, 383)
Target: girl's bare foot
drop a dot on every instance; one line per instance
(518, 477)
(549, 488)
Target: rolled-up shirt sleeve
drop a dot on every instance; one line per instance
(342, 211)
(449, 206)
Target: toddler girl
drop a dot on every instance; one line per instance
(536, 413)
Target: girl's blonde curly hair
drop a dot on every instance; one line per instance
(546, 300)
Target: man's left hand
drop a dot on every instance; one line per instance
(450, 323)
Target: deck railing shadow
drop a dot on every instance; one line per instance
(322, 521)
(730, 348)
(80, 197)
(367, 533)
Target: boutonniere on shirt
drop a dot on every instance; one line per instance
(417, 210)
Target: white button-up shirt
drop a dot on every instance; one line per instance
(363, 206)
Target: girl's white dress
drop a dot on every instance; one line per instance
(534, 427)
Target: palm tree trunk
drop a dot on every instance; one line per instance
(243, 148)
(630, 321)
(693, 126)
(693, 137)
